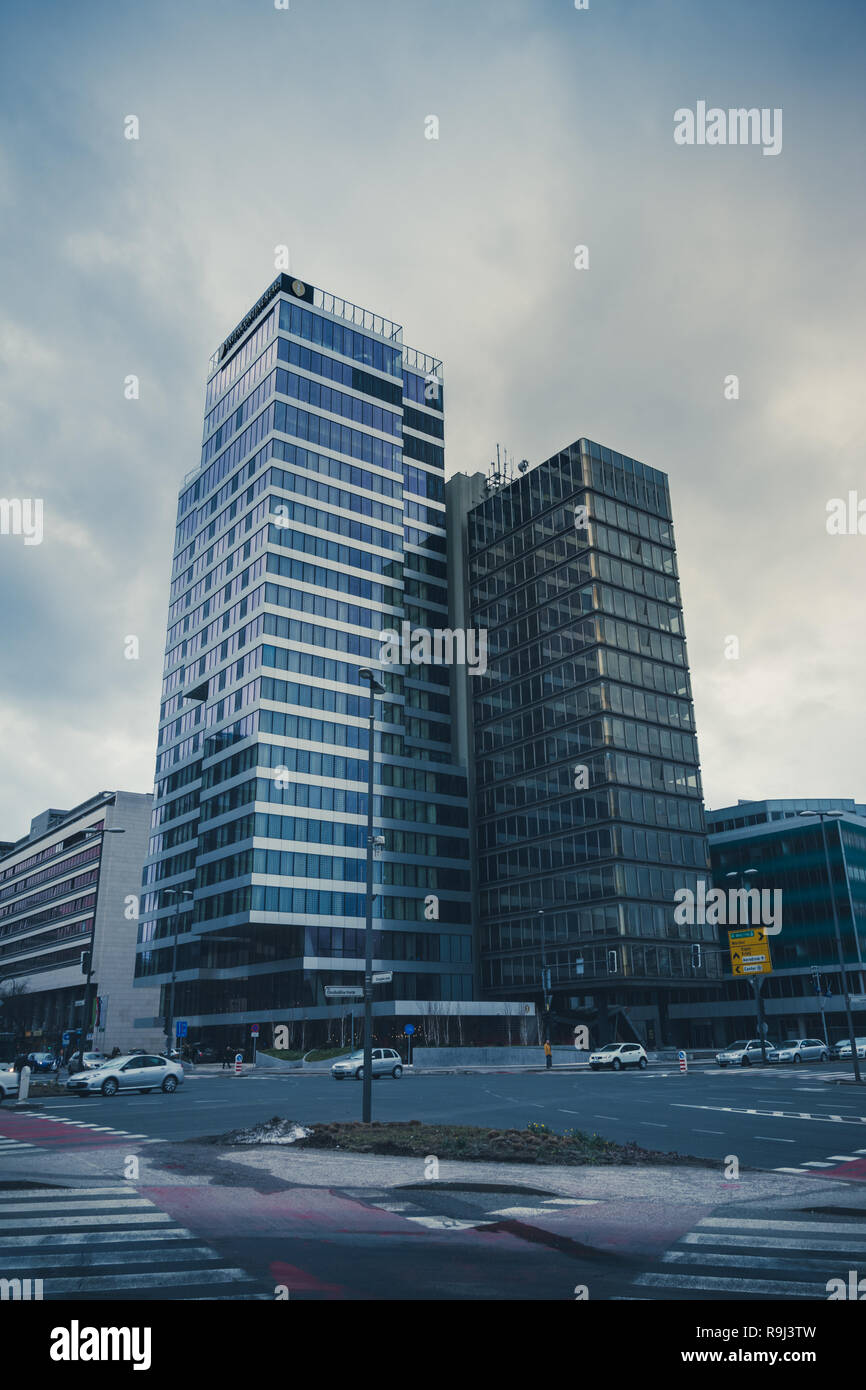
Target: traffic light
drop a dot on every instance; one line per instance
(696, 955)
(85, 962)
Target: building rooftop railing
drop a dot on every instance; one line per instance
(354, 314)
(322, 299)
(422, 362)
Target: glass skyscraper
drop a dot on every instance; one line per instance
(587, 785)
(314, 522)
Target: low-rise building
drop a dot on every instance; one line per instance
(70, 887)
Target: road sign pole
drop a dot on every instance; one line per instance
(757, 983)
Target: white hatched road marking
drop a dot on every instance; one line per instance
(775, 1114)
(79, 1243)
(445, 1223)
(813, 1252)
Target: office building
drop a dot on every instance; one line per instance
(67, 888)
(586, 784)
(770, 847)
(313, 524)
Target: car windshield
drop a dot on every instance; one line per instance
(793, 1042)
(612, 1047)
(735, 1046)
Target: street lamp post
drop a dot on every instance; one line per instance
(545, 976)
(367, 1080)
(177, 894)
(89, 834)
(836, 815)
(756, 981)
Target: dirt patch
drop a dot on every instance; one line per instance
(412, 1139)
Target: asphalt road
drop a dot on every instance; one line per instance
(196, 1221)
(773, 1119)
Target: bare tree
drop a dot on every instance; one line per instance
(13, 1006)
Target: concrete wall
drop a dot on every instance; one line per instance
(116, 932)
(490, 1056)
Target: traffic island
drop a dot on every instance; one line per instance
(534, 1145)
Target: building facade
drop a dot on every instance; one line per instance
(69, 887)
(314, 523)
(769, 847)
(587, 796)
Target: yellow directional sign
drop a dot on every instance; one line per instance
(750, 952)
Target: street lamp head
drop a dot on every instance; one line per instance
(832, 815)
(370, 677)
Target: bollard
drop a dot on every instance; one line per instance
(23, 1084)
(684, 1066)
(239, 1057)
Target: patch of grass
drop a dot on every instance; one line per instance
(281, 1054)
(324, 1054)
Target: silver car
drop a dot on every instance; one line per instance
(386, 1062)
(136, 1072)
(745, 1053)
(843, 1051)
(800, 1050)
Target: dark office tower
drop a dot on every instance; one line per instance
(587, 786)
(313, 524)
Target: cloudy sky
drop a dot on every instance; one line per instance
(306, 127)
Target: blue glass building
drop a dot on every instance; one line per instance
(314, 522)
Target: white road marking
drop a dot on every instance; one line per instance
(94, 1219)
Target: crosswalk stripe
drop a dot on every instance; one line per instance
(833, 1228)
(92, 1219)
(84, 1257)
(110, 1282)
(84, 1205)
(63, 1193)
(791, 1242)
(84, 1239)
(444, 1223)
(755, 1261)
(773, 1288)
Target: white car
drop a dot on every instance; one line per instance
(386, 1062)
(800, 1050)
(618, 1055)
(133, 1072)
(8, 1080)
(843, 1051)
(86, 1061)
(744, 1053)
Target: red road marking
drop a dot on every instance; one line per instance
(301, 1281)
(854, 1172)
(54, 1134)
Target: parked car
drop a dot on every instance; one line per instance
(618, 1055)
(203, 1053)
(799, 1050)
(41, 1061)
(843, 1049)
(85, 1061)
(744, 1053)
(8, 1080)
(386, 1062)
(130, 1072)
